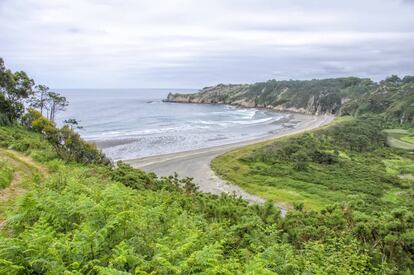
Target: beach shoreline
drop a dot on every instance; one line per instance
(196, 163)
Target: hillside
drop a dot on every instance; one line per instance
(84, 216)
(87, 218)
(393, 96)
(66, 209)
(347, 163)
(342, 163)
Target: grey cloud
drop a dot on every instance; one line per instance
(184, 43)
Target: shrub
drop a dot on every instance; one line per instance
(4, 120)
(300, 160)
(67, 143)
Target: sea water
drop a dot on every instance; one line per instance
(135, 123)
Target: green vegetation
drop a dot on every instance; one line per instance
(21, 167)
(400, 138)
(346, 163)
(99, 219)
(408, 138)
(341, 163)
(392, 98)
(71, 211)
(311, 96)
(6, 174)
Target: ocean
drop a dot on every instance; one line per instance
(136, 123)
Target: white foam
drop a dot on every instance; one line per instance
(255, 121)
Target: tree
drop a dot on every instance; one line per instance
(72, 123)
(15, 88)
(22, 88)
(6, 108)
(40, 97)
(55, 103)
(52, 102)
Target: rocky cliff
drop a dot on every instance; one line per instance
(392, 97)
(310, 97)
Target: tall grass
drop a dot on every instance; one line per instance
(6, 174)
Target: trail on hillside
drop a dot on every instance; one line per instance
(24, 168)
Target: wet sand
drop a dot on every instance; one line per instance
(196, 163)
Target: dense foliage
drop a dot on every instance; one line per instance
(103, 219)
(348, 164)
(14, 89)
(392, 97)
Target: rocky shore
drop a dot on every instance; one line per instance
(313, 97)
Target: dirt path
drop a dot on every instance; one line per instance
(24, 167)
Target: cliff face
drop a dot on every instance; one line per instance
(309, 97)
(392, 97)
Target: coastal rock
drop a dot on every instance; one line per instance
(245, 103)
(315, 97)
(337, 96)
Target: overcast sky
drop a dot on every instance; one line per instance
(195, 43)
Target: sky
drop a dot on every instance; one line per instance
(197, 43)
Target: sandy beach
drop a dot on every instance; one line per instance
(196, 163)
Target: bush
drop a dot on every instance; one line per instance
(67, 143)
(71, 146)
(80, 221)
(300, 160)
(133, 178)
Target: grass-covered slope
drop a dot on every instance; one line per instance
(98, 219)
(20, 170)
(345, 162)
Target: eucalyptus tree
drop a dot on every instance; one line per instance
(54, 103)
(40, 97)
